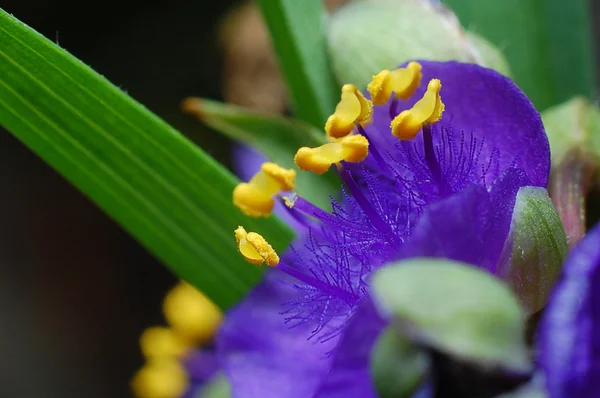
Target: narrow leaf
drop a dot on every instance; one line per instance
(298, 33)
(546, 42)
(167, 193)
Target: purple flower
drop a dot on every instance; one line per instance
(569, 334)
(201, 366)
(307, 329)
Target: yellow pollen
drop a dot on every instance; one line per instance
(255, 197)
(353, 148)
(352, 108)
(160, 378)
(427, 110)
(191, 314)
(402, 82)
(254, 248)
(162, 342)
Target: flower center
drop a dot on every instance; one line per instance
(366, 229)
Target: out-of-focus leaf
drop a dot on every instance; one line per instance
(298, 33)
(218, 387)
(547, 43)
(276, 137)
(166, 192)
(398, 367)
(454, 308)
(367, 36)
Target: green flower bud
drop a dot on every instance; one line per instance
(455, 308)
(535, 249)
(573, 130)
(367, 36)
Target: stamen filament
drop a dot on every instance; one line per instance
(393, 109)
(363, 202)
(306, 207)
(432, 161)
(316, 283)
(373, 149)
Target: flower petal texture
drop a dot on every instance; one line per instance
(569, 337)
(262, 355)
(349, 373)
(487, 114)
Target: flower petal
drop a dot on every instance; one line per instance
(349, 374)
(201, 365)
(569, 334)
(453, 228)
(470, 226)
(503, 196)
(490, 106)
(261, 355)
(246, 161)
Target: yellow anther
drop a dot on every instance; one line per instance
(160, 378)
(402, 82)
(352, 108)
(255, 197)
(427, 110)
(162, 342)
(353, 148)
(191, 314)
(254, 248)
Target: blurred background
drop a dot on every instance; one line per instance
(75, 290)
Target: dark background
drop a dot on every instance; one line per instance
(75, 290)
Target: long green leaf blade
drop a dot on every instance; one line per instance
(298, 32)
(547, 43)
(167, 193)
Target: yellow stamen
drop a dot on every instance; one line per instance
(191, 314)
(162, 342)
(255, 197)
(352, 108)
(353, 148)
(402, 82)
(160, 378)
(254, 248)
(427, 110)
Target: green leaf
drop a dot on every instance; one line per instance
(276, 137)
(167, 193)
(547, 43)
(455, 308)
(398, 367)
(535, 248)
(367, 36)
(298, 33)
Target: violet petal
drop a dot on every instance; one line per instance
(487, 104)
(569, 334)
(261, 355)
